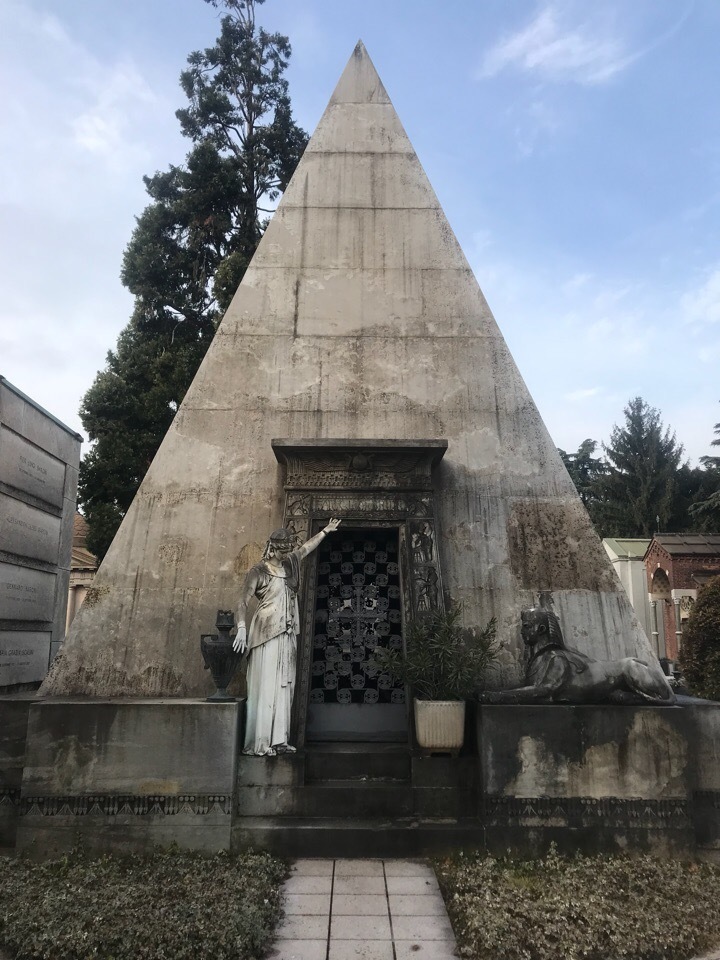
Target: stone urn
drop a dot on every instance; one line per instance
(219, 656)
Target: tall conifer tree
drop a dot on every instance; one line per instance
(641, 490)
(188, 253)
(706, 509)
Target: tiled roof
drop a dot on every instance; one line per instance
(627, 548)
(690, 544)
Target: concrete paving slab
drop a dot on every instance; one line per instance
(434, 950)
(304, 928)
(298, 950)
(307, 903)
(408, 868)
(357, 950)
(422, 929)
(369, 904)
(417, 886)
(308, 884)
(312, 868)
(359, 885)
(358, 868)
(361, 928)
(407, 905)
(363, 910)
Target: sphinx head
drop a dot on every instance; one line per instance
(539, 625)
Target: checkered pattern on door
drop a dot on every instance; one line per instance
(357, 609)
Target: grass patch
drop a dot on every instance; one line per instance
(168, 906)
(581, 908)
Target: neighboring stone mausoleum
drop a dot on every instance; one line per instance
(358, 397)
(39, 459)
(677, 565)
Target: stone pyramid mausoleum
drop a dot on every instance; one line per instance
(360, 373)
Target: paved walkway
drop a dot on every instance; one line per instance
(363, 910)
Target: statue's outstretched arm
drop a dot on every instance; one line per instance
(314, 542)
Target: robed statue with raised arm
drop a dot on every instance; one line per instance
(271, 641)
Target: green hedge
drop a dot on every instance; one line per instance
(169, 906)
(594, 908)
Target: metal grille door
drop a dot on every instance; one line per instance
(357, 609)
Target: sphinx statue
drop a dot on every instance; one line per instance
(558, 674)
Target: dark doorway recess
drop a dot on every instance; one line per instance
(358, 608)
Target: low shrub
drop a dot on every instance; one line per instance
(442, 659)
(594, 908)
(169, 906)
(700, 654)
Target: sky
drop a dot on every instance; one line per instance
(574, 146)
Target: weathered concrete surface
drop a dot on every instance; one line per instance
(597, 778)
(359, 317)
(124, 775)
(586, 751)
(13, 733)
(130, 747)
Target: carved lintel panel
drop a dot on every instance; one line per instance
(367, 484)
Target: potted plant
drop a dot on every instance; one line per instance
(444, 665)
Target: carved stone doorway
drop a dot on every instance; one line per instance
(373, 576)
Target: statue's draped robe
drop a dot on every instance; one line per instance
(272, 645)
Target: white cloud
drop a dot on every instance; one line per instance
(586, 53)
(702, 305)
(575, 282)
(105, 127)
(585, 394)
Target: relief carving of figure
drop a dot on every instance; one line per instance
(271, 641)
(427, 590)
(422, 544)
(558, 674)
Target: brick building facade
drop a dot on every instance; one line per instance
(677, 566)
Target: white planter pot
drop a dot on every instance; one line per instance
(440, 724)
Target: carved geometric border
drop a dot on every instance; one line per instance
(9, 796)
(606, 810)
(109, 805)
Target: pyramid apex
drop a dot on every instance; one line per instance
(360, 82)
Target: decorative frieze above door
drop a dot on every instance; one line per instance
(382, 491)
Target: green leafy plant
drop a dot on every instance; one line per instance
(442, 660)
(700, 654)
(581, 907)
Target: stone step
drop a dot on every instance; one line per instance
(332, 837)
(347, 799)
(357, 761)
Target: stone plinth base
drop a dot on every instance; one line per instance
(13, 734)
(600, 778)
(128, 774)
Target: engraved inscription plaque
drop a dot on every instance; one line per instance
(29, 469)
(27, 531)
(24, 656)
(26, 594)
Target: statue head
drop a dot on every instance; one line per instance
(539, 625)
(280, 543)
